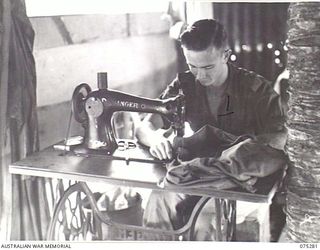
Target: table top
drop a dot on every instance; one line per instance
(96, 168)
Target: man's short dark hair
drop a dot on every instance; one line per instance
(204, 33)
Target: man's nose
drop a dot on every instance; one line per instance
(201, 73)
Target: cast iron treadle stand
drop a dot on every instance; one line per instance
(80, 225)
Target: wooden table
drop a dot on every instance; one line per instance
(66, 165)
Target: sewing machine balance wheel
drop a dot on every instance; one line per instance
(78, 101)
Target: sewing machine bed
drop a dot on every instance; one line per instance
(128, 150)
(54, 163)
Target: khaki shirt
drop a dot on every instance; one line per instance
(249, 105)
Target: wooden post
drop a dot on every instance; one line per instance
(5, 179)
(303, 144)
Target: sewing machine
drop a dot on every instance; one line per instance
(94, 110)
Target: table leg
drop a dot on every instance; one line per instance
(232, 220)
(225, 222)
(218, 219)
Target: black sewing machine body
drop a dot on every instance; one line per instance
(94, 110)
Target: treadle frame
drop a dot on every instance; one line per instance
(184, 233)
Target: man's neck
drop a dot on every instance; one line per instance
(224, 77)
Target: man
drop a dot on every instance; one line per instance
(219, 94)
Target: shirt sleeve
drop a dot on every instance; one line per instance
(171, 90)
(270, 112)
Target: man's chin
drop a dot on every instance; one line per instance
(206, 83)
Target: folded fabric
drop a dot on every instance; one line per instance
(250, 158)
(207, 141)
(227, 162)
(196, 173)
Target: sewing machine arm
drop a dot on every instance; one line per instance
(94, 109)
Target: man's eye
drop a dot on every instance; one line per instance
(209, 67)
(205, 68)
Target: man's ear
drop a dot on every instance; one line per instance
(226, 55)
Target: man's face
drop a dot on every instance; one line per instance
(208, 66)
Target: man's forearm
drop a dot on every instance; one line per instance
(144, 133)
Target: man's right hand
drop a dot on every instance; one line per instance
(161, 146)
